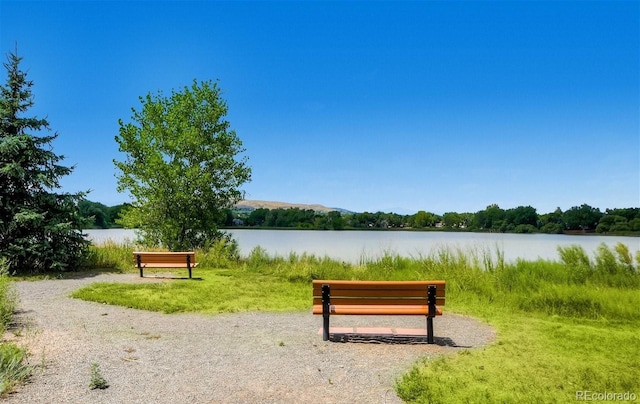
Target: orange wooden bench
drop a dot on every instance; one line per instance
(404, 298)
(156, 259)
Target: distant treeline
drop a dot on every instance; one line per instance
(100, 216)
(523, 219)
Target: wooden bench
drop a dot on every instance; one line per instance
(404, 298)
(165, 260)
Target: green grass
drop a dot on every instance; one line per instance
(562, 326)
(13, 368)
(535, 359)
(8, 302)
(558, 333)
(110, 255)
(218, 291)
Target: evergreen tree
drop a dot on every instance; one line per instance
(39, 228)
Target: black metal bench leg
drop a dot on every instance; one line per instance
(429, 330)
(189, 265)
(139, 262)
(431, 300)
(326, 308)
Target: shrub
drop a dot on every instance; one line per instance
(12, 358)
(625, 257)
(606, 262)
(258, 258)
(8, 297)
(223, 253)
(577, 263)
(525, 228)
(109, 255)
(12, 366)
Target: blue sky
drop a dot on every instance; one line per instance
(367, 106)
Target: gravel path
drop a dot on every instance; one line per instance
(232, 358)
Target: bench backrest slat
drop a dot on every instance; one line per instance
(350, 285)
(413, 293)
(379, 292)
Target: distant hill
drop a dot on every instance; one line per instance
(253, 204)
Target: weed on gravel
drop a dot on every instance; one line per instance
(97, 380)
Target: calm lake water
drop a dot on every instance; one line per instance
(352, 246)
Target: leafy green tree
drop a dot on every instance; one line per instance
(364, 219)
(452, 219)
(183, 166)
(552, 222)
(582, 217)
(115, 212)
(522, 215)
(627, 213)
(96, 213)
(271, 218)
(552, 228)
(336, 220)
(257, 217)
(496, 217)
(611, 222)
(492, 218)
(466, 219)
(394, 220)
(421, 219)
(525, 228)
(282, 218)
(40, 230)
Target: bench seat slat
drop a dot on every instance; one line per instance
(364, 310)
(168, 265)
(358, 294)
(389, 301)
(182, 261)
